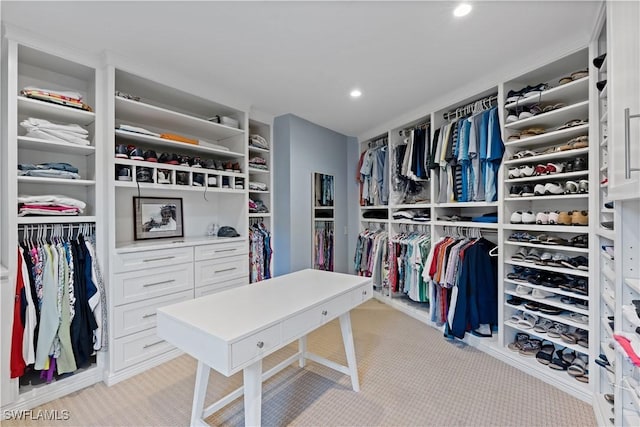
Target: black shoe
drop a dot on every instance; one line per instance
(527, 191)
(580, 164)
(122, 152)
(185, 161)
(601, 84)
(182, 178)
(607, 224)
(123, 173)
(196, 162)
(144, 175)
(198, 179)
(608, 205)
(515, 191)
(151, 156)
(169, 158)
(598, 61)
(136, 153)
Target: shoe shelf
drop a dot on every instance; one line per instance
(562, 270)
(554, 197)
(404, 206)
(165, 187)
(553, 118)
(162, 118)
(156, 165)
(558, 291)
(547, 138)
(567, 154)
(465, 204)
(569, 93)
(62, 219)
(28, 143)
(469, 224)
(560, 248)
(603, 94)
(258, 171)
(409, 222)
(258, 150)
(609, 300)
(259, 191)
(580, 229)
(608, 273)
(606, 255)
(376, 207)
(544, 336)
(371, 220)
(260, 215)
(607, 234)
(605, 142)
(551, 301)
(550, 177)
(171, 145)
(633, 284)
(604, 168)
(604, 117)
(55, 181)
(560, 318)
(30, 107)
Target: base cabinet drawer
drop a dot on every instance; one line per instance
(136, 317)
(221, 250)
(220, 270)
(254, 345)
(138, 348)
(301, 323)
(219, 286)
(337, 306)
(144, 284)
(142, 260)
(362, 294)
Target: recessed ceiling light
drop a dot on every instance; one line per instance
(462, 10)
(355, 93)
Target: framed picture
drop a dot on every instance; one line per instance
(157, 217)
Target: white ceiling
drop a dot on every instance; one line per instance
(304, 57)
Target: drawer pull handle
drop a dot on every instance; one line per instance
(260, 344)
(158, 259)
(164, 282)
(226, 269)
(152, 344)
(228, 250)
(324, 312)
(146, 316)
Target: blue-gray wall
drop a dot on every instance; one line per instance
(300, 149)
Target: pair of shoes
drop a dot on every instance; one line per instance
(169, 158)
(548, 189)
(134, 153)
(524, 171)
(576, 165)
(576, 75)
(123, 173)
(164, 176)
(144, 174)
(520, 217)
(547, 217)
(577, 263)
(549, 168)
(572, 187)
(520, 236)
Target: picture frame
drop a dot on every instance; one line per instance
(157, 218)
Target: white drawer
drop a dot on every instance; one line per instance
(136, 317)
(217, 287)
(140, 285)
(255, 345)
(362, 294)
(142, 260)
(221, 250)
(337, 306)
(301, 323)
(220, 270)
(137, 348)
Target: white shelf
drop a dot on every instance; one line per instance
(553, 317)
(174, 146)
(603, 94)
(154, 244)
(608, 234)
(47, 110)
(374, 220)
(165, 187)
(568, 93)
(555, 118)
(604, 142)
(554, 290)
(551, 301)
(609, 300)
(258, 171)
(608, 352)
(465, 204)
(569, 154)
(603, 118)
(172, 121)
(259, 191)
(633, 284)
(409, 206)
(470, 224)
(258, 150)
(55, 181)
(555, 197)
(562, 135)
(44, 219)
(562, 270)
(603, 168)
(547, 247)
(25, 142)
(580, 229)
(368, 207)
(550, 177)
(409, 222)
(324, 219)
(546, 337)
(606, 255)
(260, 215)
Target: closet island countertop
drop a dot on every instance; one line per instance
(170, 243)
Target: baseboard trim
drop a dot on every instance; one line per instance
(112, 378)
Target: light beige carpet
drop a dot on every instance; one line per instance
(409, 376)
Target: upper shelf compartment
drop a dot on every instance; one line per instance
(570, 93)
(45, 110)
(172, 121)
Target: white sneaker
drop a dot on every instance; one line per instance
(527, 171)
(542, 218)
(516, 217)
(528, 217)
(538, 190)
(539, 293)
(553, 188)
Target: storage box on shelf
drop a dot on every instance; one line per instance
(545, 214)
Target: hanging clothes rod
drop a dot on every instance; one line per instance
(423, 125)
(56, 224)
(379, 141)
(483, 103)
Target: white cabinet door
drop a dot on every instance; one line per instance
(623, 57)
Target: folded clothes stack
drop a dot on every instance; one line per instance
(49, 205)
(258, 141)
(258, 163)
(412, 215)
(44, 129)
(49, 170)
(257, 186)
(60, 97)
